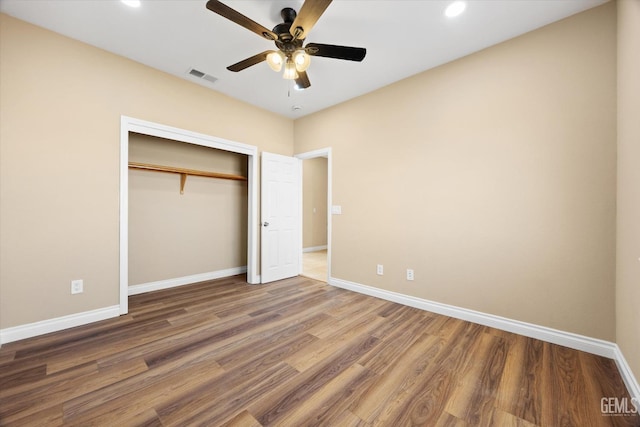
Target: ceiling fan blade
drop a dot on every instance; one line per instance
(223, 10)
(309, 14)
(303, 80)
(246, 63)
(334, 51)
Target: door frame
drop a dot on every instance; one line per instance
(130, 124)
(326, 153)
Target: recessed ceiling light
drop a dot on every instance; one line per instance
(131, 3)
(455, 9)
(296, 108)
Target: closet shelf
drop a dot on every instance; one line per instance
(184, 172)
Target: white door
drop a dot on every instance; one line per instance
(280, 239)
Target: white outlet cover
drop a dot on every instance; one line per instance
(336, 210)
(409, 274)
(77, 286)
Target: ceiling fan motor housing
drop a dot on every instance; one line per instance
(286, 41)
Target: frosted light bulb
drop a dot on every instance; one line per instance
(275, 60)
(302, 60)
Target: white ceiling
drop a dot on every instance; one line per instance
(402, 37)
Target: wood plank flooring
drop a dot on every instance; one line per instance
(297, 353)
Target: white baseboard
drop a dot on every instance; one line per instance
(57, 324)
(186, 280)
(627, 376)
(554, 336)
(314, 248)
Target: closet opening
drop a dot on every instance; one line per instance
(188, 208)
(187, 213)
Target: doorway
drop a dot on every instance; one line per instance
(316, 215)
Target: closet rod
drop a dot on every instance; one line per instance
(184, 172)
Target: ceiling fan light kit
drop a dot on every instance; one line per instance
(301, 59)
(290, 72)
(275, 60)
(288, 37)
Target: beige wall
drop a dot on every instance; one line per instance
(628, 248)
(60, 107)
(493, 177)
(314, 202)
(174, 235)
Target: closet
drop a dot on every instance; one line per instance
(187, 210)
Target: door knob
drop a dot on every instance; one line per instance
(266, 224)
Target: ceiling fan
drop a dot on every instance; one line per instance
(288, 37)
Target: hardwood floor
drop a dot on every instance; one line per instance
(295, 353)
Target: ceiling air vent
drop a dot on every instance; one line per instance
(209, 78)
(204, 76)
(198, 74)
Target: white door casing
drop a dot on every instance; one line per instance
(280, 212)
(129, 124)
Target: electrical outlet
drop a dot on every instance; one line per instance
(409, 274)
(77, 286)
(380, 270)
